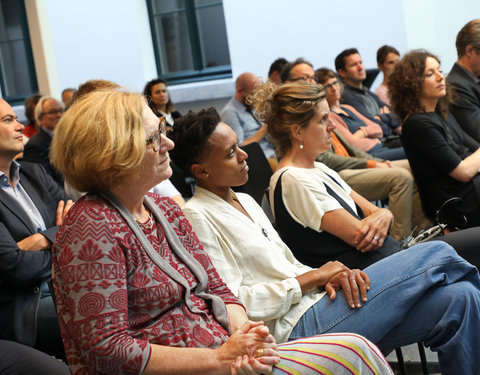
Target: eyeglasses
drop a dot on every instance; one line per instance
(303, 78)
(155, 140)
(326, 87)
(54, 112)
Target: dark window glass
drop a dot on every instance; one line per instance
(17, 75)
(190, 39)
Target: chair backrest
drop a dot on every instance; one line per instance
(267, 209)
(371, 75)
(185, 185)
(259, 172)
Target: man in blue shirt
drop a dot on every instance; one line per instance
(238, 115)
(350, 68)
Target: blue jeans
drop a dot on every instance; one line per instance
(380, 151)
(426, 293)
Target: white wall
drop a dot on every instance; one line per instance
(316, 30)
(108, 39)
(261, 31)
(111, 39)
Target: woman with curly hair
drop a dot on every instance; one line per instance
(444, 159)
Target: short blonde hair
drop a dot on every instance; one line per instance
(100, 140)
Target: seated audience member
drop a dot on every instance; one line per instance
(395, 183)
(31, 207)
(18, 359)
(94, 85)
(318, 215)
(237, 113)
(276, 69)
(356, 128)
(377, 179)
(159, 100)
(47, 113)
(298, 70)
(465, 79)
(350, 68)
(288, 296)
(165, 188)
(444, 159)
(155, 296)
(387, 57)
(68, 96)
(31, 128)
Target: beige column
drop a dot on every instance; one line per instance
(42, 47)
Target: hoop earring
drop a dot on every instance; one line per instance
(301, 145)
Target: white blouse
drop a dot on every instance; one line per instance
(252, 260)
(305, 196)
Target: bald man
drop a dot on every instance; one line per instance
(238, 115)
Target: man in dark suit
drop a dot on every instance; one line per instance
(47, 113)
(464, 77)
(31, 208)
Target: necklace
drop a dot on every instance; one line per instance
(148, 225)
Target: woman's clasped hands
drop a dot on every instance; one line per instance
(250, 350)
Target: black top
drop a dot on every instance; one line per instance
(36, 151)
(315, 248)
(434, 148)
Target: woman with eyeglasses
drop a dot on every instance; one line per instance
(352, 125)
(136, 292)
(444, 159)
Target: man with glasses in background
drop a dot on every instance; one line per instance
(47, 113)
(298, 70)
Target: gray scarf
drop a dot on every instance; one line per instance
(219, 309)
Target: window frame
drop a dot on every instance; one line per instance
(19, 99)
(199, 73)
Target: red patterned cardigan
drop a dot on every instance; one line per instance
(113, 301)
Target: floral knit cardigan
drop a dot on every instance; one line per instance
(113, 300)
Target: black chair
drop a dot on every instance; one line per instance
(259, 172)
(184, 184)
(423, 360)
(371, 75)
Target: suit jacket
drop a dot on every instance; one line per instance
(466, 106)
(36, 151)
(23, 272)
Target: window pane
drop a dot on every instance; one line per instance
(16, 67)
(213, 36)
(175, 49)
(10, 23)
(191, 41)
(16, 77)
(207, 2)
(164, 6)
